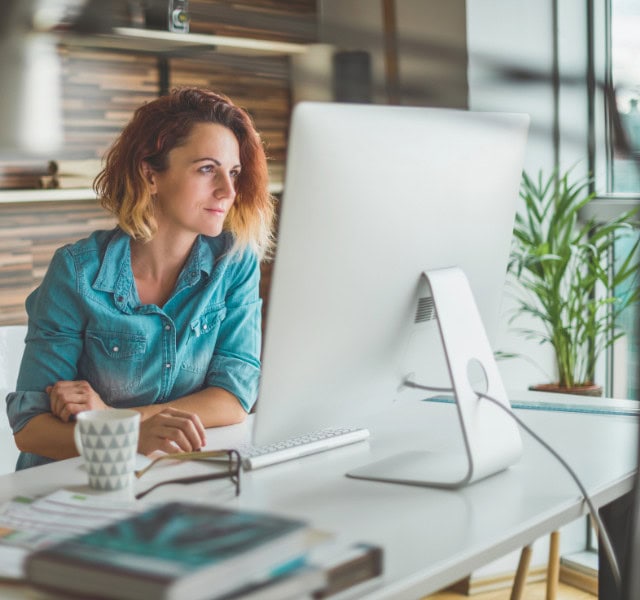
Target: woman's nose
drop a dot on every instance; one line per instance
(224, 185)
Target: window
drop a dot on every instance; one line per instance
(624, 174)
(617, 63)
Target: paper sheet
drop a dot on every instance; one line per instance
(27, 523)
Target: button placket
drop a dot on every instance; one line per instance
(169, 354)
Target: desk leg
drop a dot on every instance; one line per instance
(553, 568)
(517, 591)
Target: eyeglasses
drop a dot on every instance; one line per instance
(231, 457)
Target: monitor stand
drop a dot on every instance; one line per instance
(491, 439)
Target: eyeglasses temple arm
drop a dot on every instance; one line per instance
(182, 456)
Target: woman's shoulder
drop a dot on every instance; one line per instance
(95, 242)
(81, 257)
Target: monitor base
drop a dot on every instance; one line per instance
(431, 469)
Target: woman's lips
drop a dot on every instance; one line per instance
(215, 211)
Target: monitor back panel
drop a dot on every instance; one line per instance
(374, 196)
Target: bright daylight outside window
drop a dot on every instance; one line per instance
(623, 171)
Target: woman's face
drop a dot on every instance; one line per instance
(196, 191)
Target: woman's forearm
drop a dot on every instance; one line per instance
(48, 436)
(215, 406)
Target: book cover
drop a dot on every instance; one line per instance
(173, 550)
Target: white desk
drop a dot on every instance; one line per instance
(431, 537)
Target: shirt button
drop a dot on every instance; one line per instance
(168, 366)
(204, 327)
(116, 349)
(167, 327)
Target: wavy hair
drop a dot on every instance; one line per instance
(165, 123)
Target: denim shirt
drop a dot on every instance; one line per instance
(86, 322)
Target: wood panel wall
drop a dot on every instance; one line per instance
(29, 235)
(101, 90)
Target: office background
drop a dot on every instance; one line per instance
(455, 54)
(426, 52)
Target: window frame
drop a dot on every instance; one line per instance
(607, 204)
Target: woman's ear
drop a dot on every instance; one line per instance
(149, 175)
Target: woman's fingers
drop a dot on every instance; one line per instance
(68, 411)
(179, 432)
(71, 397)
(194, 426)
(172, 430)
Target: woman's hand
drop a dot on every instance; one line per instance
(171, 431)
(68, 398)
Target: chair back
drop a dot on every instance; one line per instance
(11, 350)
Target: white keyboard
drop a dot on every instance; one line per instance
(256, 457)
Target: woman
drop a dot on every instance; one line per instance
(161, 314)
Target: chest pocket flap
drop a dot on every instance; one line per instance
(208, 322)
(119, 345)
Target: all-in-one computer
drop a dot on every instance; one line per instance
(375, 198)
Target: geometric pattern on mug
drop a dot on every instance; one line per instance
(109, 428)
(110, 452)
(120, 449)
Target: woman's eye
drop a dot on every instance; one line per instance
(234, 174)
(206, 169)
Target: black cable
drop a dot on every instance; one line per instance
(606, 542)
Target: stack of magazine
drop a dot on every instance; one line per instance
(180, 550)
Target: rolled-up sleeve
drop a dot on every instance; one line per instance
(235, 365)
(236, 376)
(53, 342)
(23, 406)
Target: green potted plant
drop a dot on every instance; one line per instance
(560, 270)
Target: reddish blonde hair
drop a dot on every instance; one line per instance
(154, 130)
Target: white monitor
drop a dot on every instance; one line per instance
(375, 196)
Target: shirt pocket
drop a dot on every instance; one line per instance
(203, 335)
(116, 359)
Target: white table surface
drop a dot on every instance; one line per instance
(431, 537)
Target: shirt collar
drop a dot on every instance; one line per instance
(116, 276)
(206, 254)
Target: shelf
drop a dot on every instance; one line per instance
(166, 43)
(56, 195)
(73, 194)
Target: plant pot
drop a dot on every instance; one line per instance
(591, 389)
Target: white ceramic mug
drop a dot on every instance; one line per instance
(108, 442)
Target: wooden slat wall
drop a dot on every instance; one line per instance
(101, 90)
(281, 20)
(260, 86)
(29, 235)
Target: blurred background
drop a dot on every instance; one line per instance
(73, 71)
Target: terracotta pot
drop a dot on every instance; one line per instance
(590, 389)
